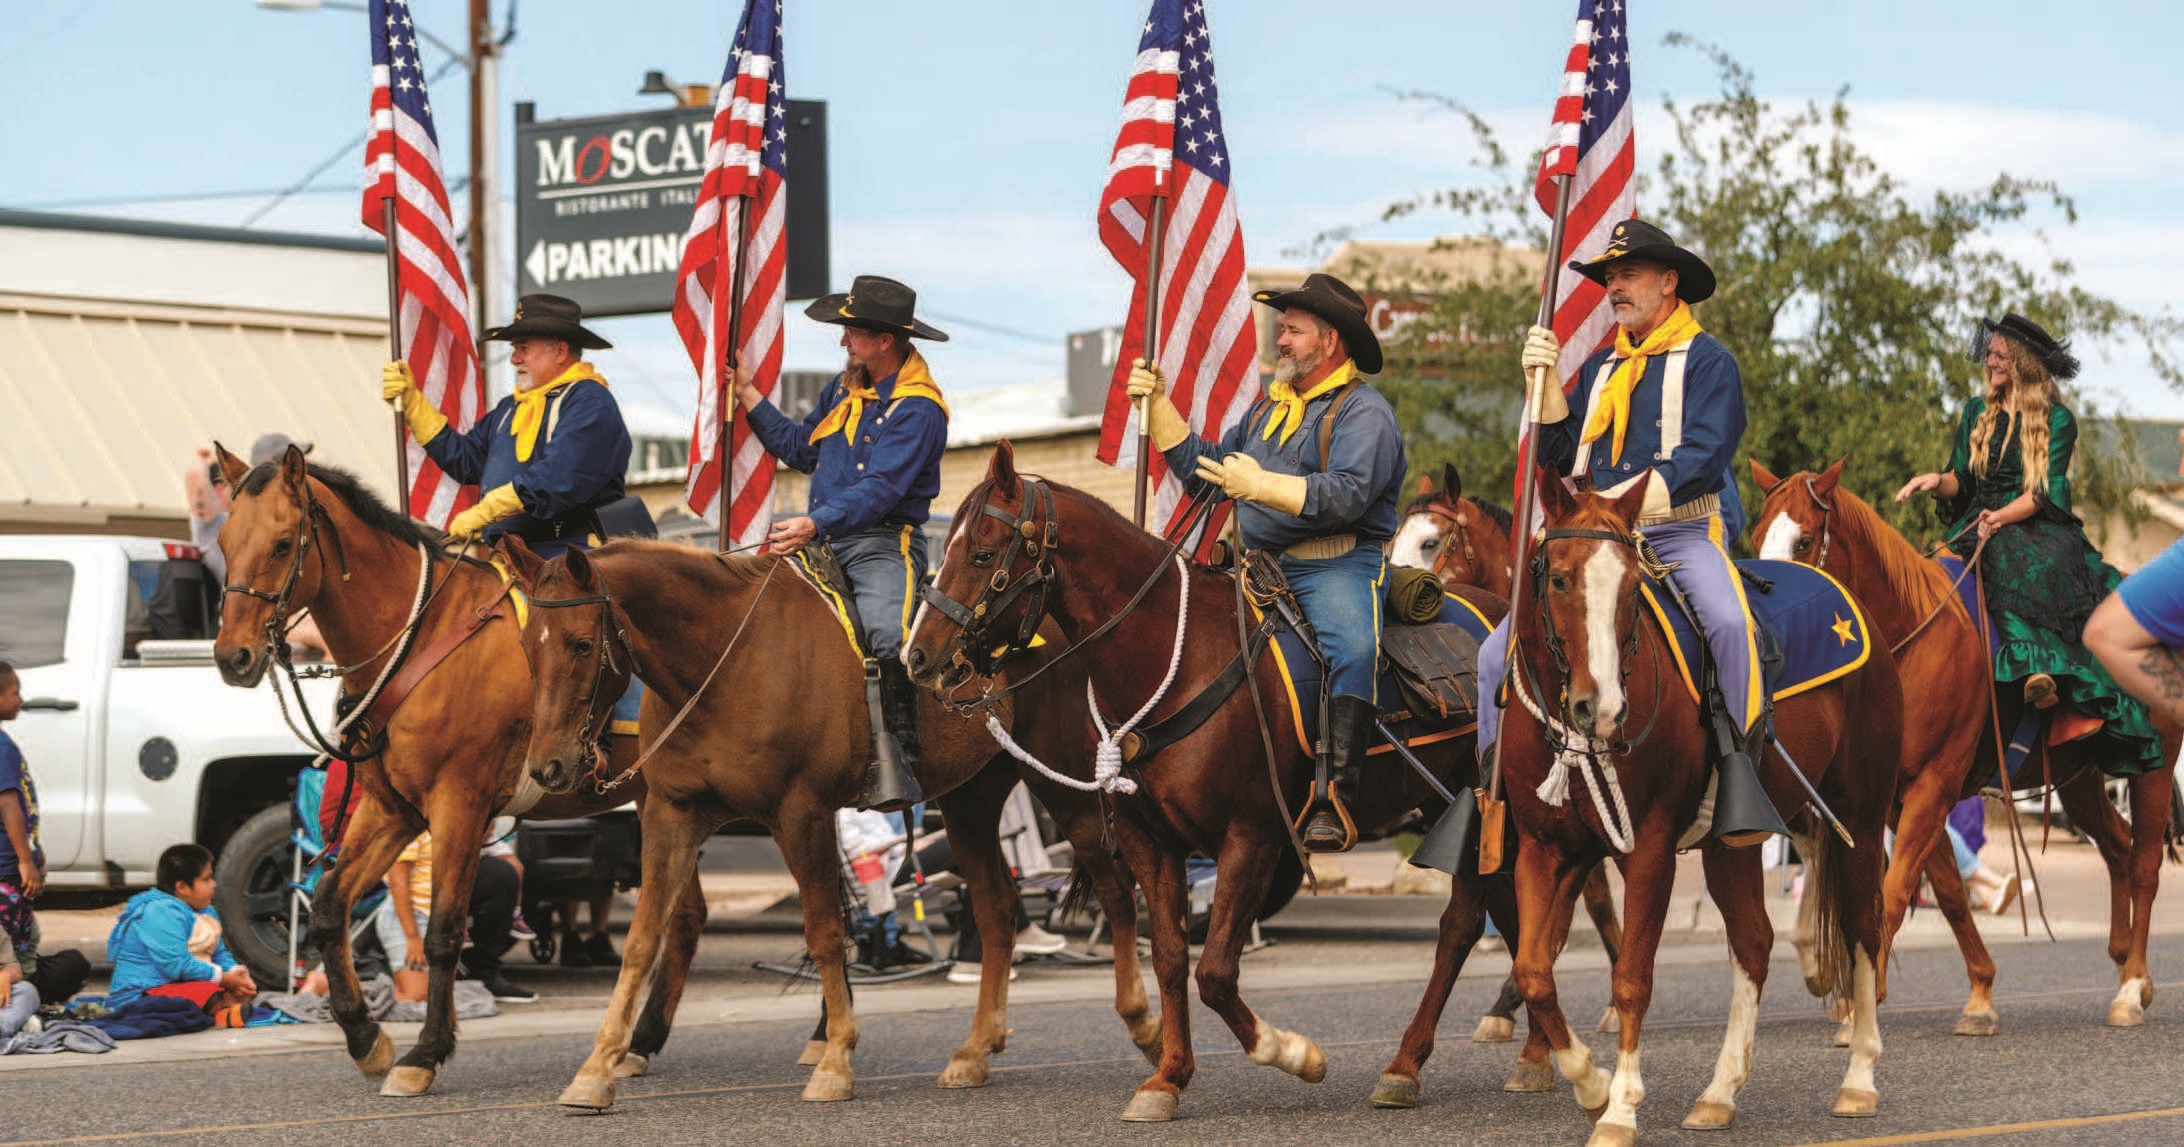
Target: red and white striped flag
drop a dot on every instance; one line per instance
(1591, 142)
(744, 197)
(402, 163)
(1171, 147)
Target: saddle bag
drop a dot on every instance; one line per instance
(1436, 669)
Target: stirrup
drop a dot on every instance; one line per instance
(1311, 827)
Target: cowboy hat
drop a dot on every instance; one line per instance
(1338, 304)
(875, 303)
(549, 317)
(2054, 354)
(1636, 239)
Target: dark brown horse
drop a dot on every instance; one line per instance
(312, 538)
(1212, 791)
(1951, 719)
(1604, 755)
(776, 731)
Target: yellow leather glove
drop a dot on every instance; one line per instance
(498, 503)
(1162, 420)
(1242, 477)
(399, 388)
(1543, 399)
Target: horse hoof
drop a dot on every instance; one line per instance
(1710, 1115)
(588, 1093)
(407, 1082)
(1494, 1029)
(1856, 1103)
(632, 1066)
(1842, 1035)
(1610, 1022)
(2126, 1014)
(1978, 1024)
(2146, 993)
(1612, 1135)
(1150, 1107)
(829, 1087)
(964, 1071)
(814, 1051)
(1395, 1091)
(376, 1062)
(1315, 1063)
(1531, 1077)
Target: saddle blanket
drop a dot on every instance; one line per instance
(1301, 676)
(1806, 615)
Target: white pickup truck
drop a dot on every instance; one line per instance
(133, 740)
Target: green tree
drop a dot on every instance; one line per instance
(1849, 304)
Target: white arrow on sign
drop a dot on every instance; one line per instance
(535, 263)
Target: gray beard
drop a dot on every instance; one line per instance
(1288, 369)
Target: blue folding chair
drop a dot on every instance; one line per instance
(307, 867)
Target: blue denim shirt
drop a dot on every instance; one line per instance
(890, 474)
(1356, 492)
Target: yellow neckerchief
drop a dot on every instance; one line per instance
(531, 407)
(913, 380)
(1613, 408)
(1289, 405)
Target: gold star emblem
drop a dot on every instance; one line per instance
(1842, 628)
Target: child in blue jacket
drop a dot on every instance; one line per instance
(167, 941)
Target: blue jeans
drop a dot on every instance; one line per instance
(886, 565)
(1341, 598)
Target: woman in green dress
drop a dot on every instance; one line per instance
(2008, 485)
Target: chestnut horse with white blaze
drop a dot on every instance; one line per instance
(1603, 748)
(1952, 715)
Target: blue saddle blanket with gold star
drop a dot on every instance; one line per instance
(1804, 614)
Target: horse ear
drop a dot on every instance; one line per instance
(293, 470)
(1002, 470)
(231, 468)
(1452, 483)
(1764, 478)
(579, 567)
(1425, 486)
(1830, 477)
(522, 563)
(1554, 497)
(1631, 503)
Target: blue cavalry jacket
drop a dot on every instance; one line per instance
(581, 460)
(889, 475)
(1356, 492)
(1710, 426)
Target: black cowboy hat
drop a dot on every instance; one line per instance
(548, 317)
(875, 303)
(2054, 354)
(1638, 239)
(1338, 303)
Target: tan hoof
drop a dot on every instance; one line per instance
(1150, 1107)
(829, 1087)
(964, 1070)
(1315, 1063)
(2126, 1014)
(1710, 1115)
(1856, 1103)
(1612, 1135)
(379, 1060)
(1531, 1077)
(588, 1093)
(632, 1066)
(2146, 994)
(407, 1082)
(1494, 1029)
(1592, 1116)
(814, 1051)
(1395, 1091)
(1610, 1022)
(1978, 1024)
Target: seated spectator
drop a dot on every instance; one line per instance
(18, 1000)
(403, 917)
(167, 942)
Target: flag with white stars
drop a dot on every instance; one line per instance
(402, 163)
(1172, 147)
(743, 202)
(1592, 144)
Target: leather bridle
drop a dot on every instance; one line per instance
(1827, 520)
(1458, 533)
(1649, 565)
(975, 646)
(276, 624)
(598, 720)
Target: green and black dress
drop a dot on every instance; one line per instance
(2043, 577)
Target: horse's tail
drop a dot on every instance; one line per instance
(1079, 896)
(1827, 861)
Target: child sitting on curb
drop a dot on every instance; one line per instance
(167, 942)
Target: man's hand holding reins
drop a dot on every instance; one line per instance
(1240, 476)
(1543, 400)
(790, 535)
(399, 387)
(1162, 420)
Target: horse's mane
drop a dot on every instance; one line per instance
(354, 494)
(740, 568)
(1913, 580)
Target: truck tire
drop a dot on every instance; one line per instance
(251, 897)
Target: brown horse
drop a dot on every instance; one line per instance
(312, 538)
(1213, 790)
(1597, 695)
(782, 738)
(1952, 713)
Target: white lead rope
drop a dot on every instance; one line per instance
(386, 672)
(1555, 790)
(1107, 757)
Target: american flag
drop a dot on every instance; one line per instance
(1591, 141)
(402, 162)
(1171, 146)
(744, 195)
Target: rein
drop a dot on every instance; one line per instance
(1459, 532)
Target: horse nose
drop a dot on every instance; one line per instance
(1582, 712)
(239, 661)
(913, 659)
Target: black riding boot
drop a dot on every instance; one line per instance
(1349, 733)
(891, 782)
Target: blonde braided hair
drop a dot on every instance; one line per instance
(2033, 390)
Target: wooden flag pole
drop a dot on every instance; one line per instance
(1155, 226)
(394, 345)
(729, 354)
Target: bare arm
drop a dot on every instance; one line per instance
(2147, 669)
(18, 830)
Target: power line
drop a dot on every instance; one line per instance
(995, 329)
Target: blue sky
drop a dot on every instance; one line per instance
(970, 137)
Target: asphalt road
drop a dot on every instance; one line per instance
(1069, 1071)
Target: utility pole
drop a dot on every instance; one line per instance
(484, 163)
